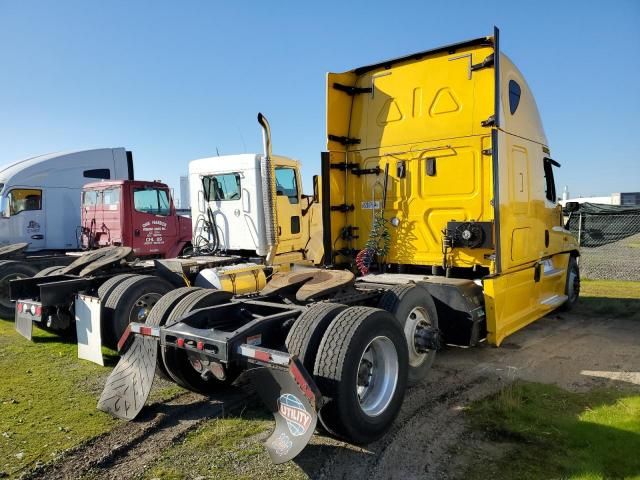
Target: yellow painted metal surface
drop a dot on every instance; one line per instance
(436, 109)
(240, 279)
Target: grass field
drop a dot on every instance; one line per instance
(224, 449)
(547, 432)
(47, 399)
(615, 298)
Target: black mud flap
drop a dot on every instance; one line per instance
(293, 411)
(129, 384)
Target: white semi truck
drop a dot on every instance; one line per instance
(40, 209)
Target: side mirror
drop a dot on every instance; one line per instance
(571, 207)
(316, 189)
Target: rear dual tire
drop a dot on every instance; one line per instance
(11, 270)
(361, 366)
(178, 362)
(414, 308)
(128, 298)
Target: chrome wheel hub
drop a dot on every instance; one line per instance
(377, 376)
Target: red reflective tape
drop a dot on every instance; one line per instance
(124, 338)
(146, 331)
(263, 356)
(302, 383)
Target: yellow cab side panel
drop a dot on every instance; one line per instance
(293, 233)
(416, 112)
(534, 246)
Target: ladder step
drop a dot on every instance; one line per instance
(555, 272)
(554, 300)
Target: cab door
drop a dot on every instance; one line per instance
(154, 227)
(289, 209)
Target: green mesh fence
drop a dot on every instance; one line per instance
(609, 241)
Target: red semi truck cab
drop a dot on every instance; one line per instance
(134, 213)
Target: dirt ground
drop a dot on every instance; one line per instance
(569, 350)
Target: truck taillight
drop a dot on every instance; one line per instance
(39, 310)
(32, 309)
(180, 342)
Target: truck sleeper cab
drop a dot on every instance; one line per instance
(40, 209)
(437, 191)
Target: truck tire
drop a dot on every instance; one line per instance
(177, 361)
(131, 300)
(109, 286)
(47, 271)
(11, 270)
(158, 317)
(361, 366)
(413, 308)
(572, 285)
(306, 333)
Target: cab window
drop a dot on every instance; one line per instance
(111, 196)
(222, 187)
(20, 200)
(89, 198)
(286, 183)
(151, 200)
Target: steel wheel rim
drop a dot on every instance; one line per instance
(417, 319)
(142, 306)
(377, 376)
(4, 288)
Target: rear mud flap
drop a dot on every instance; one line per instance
(129, 384)
(295, 416)
(24, 326)
(88, 329)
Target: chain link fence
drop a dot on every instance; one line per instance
(609, 238)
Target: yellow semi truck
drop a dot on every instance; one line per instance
(440, 226)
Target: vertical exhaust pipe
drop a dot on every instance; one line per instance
(268, 191)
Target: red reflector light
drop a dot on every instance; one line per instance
(200, 345)
(38, 310)
(264, 356)
(145, 330)
(180, 342)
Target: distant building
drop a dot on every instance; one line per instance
(185, 203)
(626, 198)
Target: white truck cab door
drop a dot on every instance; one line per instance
(230, 207)
(23, 218)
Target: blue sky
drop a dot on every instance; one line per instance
(174, 81)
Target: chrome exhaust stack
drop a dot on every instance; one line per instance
(268, 191)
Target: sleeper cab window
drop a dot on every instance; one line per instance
(514, 96)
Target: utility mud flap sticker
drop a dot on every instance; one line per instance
(295, 417)
(24, 325)
(88, 328)
(129, 384)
